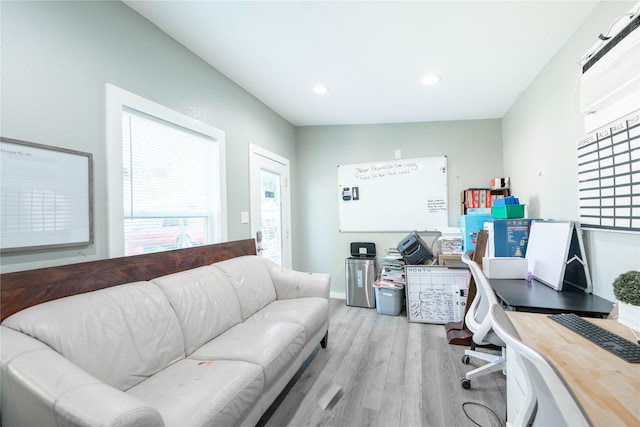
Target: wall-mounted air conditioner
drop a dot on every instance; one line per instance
(610, 80)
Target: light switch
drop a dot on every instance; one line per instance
(244, 217)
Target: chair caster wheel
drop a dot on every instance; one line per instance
(465, 383)
(466, 359)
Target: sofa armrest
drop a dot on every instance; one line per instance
(41, 387)
(296, 284)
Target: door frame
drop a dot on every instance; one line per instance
(256, 152)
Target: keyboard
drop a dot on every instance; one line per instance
(621, 347)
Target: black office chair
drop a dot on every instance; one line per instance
(479, 322)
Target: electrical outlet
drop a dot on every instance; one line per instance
(398, 154)
(244, 217)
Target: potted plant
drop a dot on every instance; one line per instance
(626, 289)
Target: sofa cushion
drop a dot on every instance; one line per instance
(203, 392)
(121, 335)
(273, 346)
(205, 302)
(311, 313)
(251, 280)
(296, 284)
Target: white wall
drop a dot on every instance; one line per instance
(56, 58)
(474, 156)
(540, 133)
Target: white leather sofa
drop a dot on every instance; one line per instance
(210, 346)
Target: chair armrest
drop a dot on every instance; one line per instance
(296, 284)
(41, 387)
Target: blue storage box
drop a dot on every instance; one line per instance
(470, 226)
(511, 236)
(504, 201)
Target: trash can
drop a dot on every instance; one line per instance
(361, 274)
(389, 301)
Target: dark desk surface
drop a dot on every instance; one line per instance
(534, 296)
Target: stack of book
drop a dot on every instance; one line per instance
(478, 198)
(392, 275)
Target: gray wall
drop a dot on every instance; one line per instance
(57, 56)
(540, 134)
(474, 156)
(56, 59)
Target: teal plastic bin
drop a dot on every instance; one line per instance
(508, 211)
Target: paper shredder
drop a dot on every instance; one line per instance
(414, 250)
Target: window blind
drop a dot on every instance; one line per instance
(170, 189)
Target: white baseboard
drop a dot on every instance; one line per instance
(338, 295)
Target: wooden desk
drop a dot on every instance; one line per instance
(534, 296)
(607, 387)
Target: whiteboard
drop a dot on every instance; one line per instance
(434, 293)
(46, 196)
(547, 251)
(394, 195)
(609, 175)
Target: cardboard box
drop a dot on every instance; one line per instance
(450, 245)
(510, 237)
(502, 182)
(505, 268)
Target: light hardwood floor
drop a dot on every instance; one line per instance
(391, 373)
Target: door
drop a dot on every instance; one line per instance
(270, 205)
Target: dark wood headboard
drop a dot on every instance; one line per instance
(23, 289)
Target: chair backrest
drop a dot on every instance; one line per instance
(477, 318)
(478, 253)
(548, 401)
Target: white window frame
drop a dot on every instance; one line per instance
(116, 100)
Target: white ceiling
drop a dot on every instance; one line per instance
(373, 54)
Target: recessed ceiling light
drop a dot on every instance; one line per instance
(430, 79)
(320, 89)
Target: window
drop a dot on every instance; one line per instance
(166, 178)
